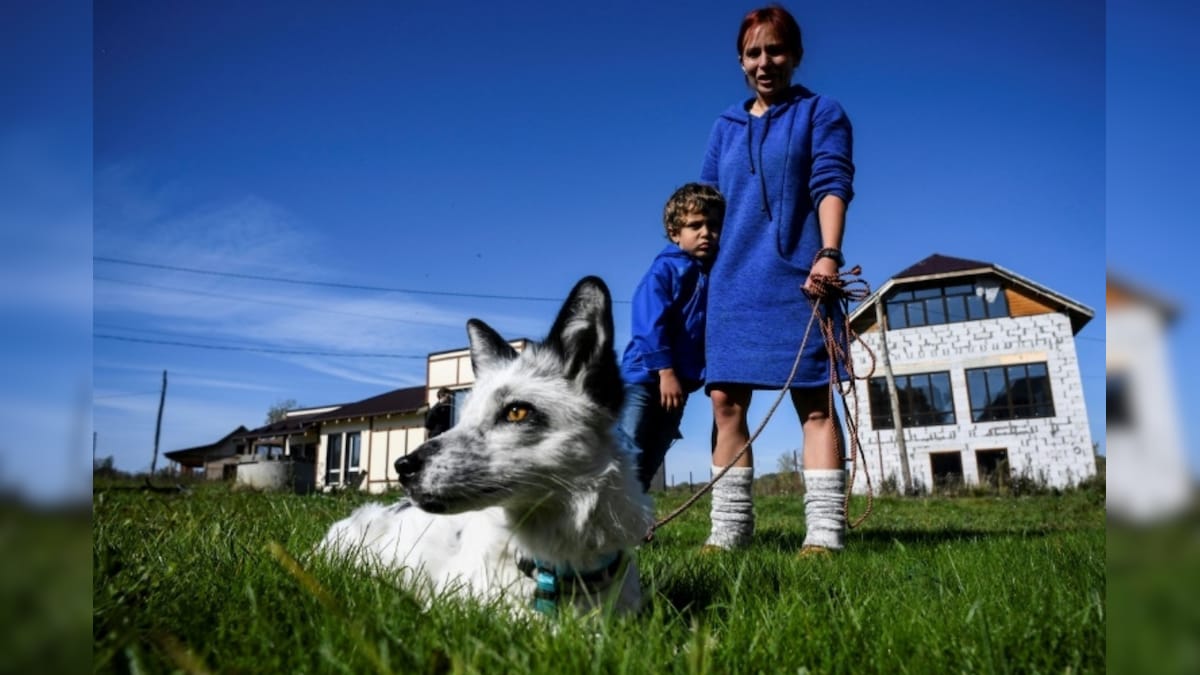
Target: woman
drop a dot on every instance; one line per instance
(783, 161)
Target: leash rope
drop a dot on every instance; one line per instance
(840, 288)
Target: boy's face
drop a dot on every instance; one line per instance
(698, 236)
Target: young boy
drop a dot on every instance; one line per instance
(664, 361)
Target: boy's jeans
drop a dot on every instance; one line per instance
(652, 428)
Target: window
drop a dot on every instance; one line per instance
(993, 467)
(460, 396)
(933, 305)
(343, 467)
(1118, 409)
(946, 468)
(926, 399)
(1009, 392)
(353, 455)
(333, 459)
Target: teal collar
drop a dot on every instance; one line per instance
(556, 582)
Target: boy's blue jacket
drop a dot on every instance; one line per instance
(668, 321)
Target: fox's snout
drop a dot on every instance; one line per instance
(409, 466)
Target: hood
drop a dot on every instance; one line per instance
(740, 112)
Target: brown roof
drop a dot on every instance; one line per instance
(397, 401)
(195, 456)
(941, 264)
(288, 425)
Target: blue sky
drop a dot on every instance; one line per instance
(502, 151)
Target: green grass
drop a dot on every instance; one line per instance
(222, 581)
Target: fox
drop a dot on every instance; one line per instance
(532, 498)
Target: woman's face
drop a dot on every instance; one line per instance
(767, 61)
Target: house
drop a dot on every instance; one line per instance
(356, 444)
(348, 445)
(215, 460)
(1150, 477)
(985, 374)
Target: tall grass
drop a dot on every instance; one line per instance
(218, 580)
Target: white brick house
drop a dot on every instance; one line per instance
(986, 376)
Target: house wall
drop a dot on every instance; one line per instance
(215, 469)
(391, 438)
(1145, 457)
(448, 369)
(1057, 450)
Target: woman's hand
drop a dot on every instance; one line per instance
(826, 267)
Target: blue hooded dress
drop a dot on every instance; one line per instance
(773, 171)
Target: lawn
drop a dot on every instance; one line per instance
(221, 581)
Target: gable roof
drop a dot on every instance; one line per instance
(197, 455)
(941, 264)
(938, 266)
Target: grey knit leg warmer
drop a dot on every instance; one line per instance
(732, 508)
(824, 492)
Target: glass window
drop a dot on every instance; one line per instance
(895, 316)
(881, 406)
(353, 450)
(998, 306)
(333, 459)
(935, 311)
(1013, 392)
(943, 397)
(935, 292)
(956, 308)
(916, 313)
(460, 397)
(975, 307)
(924, 400)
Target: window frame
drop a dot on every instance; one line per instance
(987, 376)
(903, 306)
(882, 419)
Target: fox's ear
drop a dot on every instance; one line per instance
(488, 349)
(583, 336)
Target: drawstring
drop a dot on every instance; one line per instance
(762, 176)
(749, 145)
(762, 179)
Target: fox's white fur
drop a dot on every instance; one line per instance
(533, 469)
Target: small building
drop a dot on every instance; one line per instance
(212, 461)
(1146, 463)
(986, 378)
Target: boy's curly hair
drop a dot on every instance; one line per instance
(692, 198)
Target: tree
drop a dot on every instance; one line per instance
(789, 462)
(279, 410)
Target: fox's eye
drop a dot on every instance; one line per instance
(516, 412)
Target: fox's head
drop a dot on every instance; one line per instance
(535, 423)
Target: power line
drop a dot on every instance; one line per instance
(273, 303)
(265, 350)
(132, 393)
(325, 284)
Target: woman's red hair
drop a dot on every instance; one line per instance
(784, 23)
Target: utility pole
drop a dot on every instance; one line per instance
(162, 398)
(893, 398)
